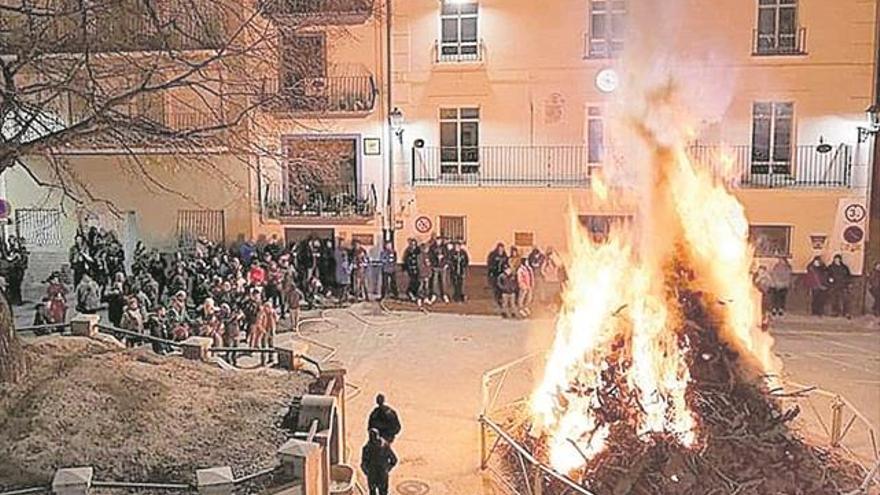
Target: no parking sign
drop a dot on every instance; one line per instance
(423, 225)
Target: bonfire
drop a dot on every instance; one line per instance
(658, 381)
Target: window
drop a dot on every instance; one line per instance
(770, 240)
(453, 228)
(39, 227)
(459, 140)
(303, 57)
(595, 136)
(193, 224)
(777, 31)
(607, 24)
(772, 137)
(458, 31)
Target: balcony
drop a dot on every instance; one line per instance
(321, 203)
(317, 12)
(459, 52)
(779, 44)
(806, 167)
(342, 96)
(569, 166)
(536, 166)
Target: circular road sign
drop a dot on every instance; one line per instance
(853, 234)
(855, 213)
(4, 209)
(424, 225)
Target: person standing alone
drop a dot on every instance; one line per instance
(384, 420)
(377, 461)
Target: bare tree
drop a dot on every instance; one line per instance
(129, 75)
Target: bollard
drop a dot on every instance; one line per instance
(85, 325)
(215, 481)
(301, 462)
(72, 481)
(196, 348)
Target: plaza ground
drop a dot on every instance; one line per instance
(430, 366)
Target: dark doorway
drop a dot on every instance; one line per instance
(298, 235)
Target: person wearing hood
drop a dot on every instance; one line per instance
(816, 282)
(839, 280)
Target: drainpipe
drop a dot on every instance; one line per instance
(389, 204)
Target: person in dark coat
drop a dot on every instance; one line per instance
(440, 270)
(42, 316)
(157, 326)
(507, 286)
(458, 266)
(384, 419)
(377, 461)
(816, 282)
(411, 267)
(495, 264)
(839, 279)
(425, 270)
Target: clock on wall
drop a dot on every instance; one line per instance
(607, 80)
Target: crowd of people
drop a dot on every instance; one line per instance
(829, 286)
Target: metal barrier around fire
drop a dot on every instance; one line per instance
(826, 418)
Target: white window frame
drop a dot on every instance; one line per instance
(775, 38)
(448, 218)
(607, 46)
(595, 113)
(775, 165)
(467, 158)
(459, 45)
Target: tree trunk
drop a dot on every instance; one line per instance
(13, 363)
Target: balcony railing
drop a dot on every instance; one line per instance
(320, 201)
(354, 95)
(570, 166)
(596, 48)
(773, 44)
(459, 52)
(805, 167)
(503, 165)
(329, 12)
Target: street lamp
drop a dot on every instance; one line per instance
(873, 114)
(396, 121)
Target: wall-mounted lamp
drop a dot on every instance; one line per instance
(873, 115)
(396, 121)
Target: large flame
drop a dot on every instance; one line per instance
(622, 316)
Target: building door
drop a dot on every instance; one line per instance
(298, 235)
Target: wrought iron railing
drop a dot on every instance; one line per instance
(804, 167)
(502, 165)
(334, 94)
(462, 51)
(826, 418)
(333, 12)
(771, 44)
(572, 166)
(320, 200)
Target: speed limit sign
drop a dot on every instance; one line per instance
(423, 225)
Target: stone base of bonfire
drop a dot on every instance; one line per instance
(747, 442)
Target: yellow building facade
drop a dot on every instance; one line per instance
(486, 120)
(536, 81)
